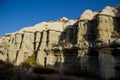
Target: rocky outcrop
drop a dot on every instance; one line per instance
(64, 44)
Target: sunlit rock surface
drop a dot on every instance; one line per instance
(89, 43)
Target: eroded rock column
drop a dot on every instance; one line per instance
(105, 26)
(82, 54)
(27, 47)
(5, 46)
(82, 35)
(107, 63)
(41, 54)
(82, 43)
(14, 46)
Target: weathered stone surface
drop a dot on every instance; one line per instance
(87, 15)
(104, 30)
(82, 35)
(82, 54)
(64, 44)
(41, 58)
(110, 11)
(107, 64)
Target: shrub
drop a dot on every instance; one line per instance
(31, 61)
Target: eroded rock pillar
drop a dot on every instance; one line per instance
(41, 54)
(82, 54)
(26, 47)
(104, 29)
(107, 63)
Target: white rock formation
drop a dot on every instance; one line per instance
(67, 43)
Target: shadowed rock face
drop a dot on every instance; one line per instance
(65, 44)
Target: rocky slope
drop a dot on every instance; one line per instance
(90, 42)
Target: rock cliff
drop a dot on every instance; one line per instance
(90, 42)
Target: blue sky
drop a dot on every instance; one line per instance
(16, 14)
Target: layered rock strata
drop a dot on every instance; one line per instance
(65, 44)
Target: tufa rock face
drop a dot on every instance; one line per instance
(55, 41)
